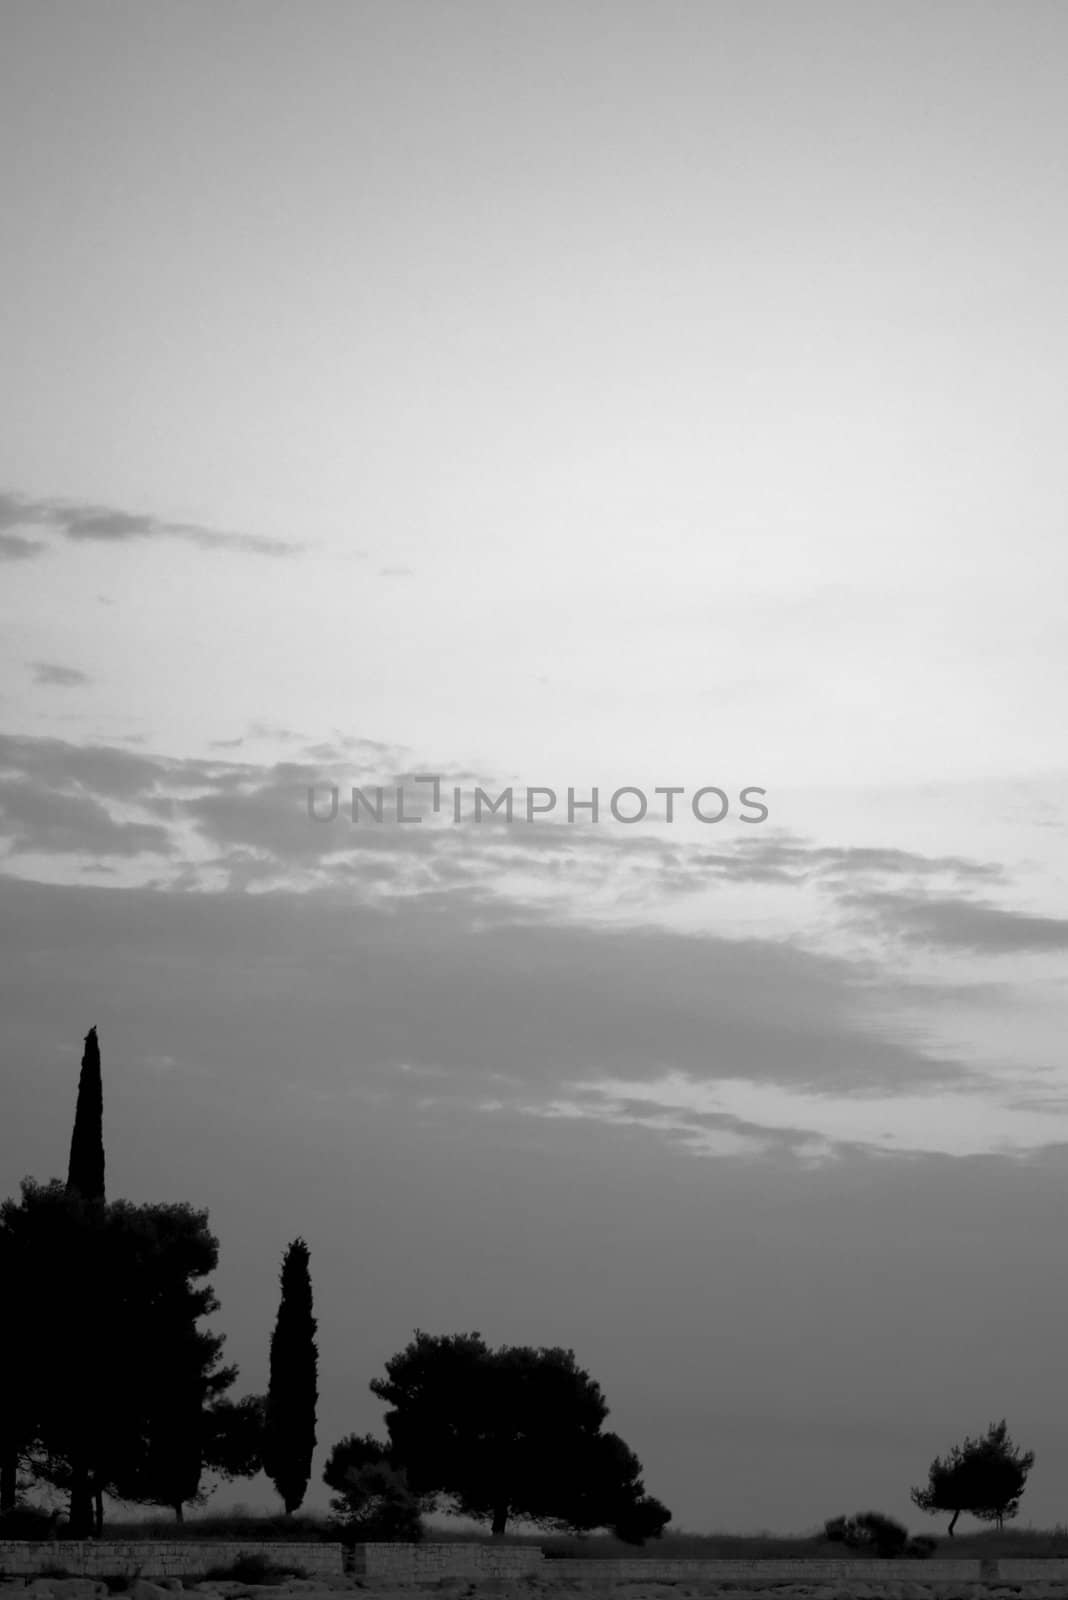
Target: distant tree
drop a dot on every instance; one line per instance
(56, 1257)
(85, 1178)
(19, 1419)
(351, 1454)
(175, 1383)
(984, 1477)
(514, 1432)
(372, 1499)
(869, 1531)
(233, 1440)
(131, 1413)
(21, 1369)
(85, 1172)
(289, 1430)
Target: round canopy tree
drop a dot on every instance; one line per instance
(513, 1432)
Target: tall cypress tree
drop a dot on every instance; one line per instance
(289, 1432)
(85, 1181)
(86, 1170)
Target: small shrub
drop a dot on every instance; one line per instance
(27, 1522)
(921, 1547)
(120, 1582)
(870, 1532)
(253, 1567)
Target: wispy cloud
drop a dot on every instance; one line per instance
(71, 824)
(82, 522)
(51, 673)
(252, 818)
(15, 548)
(960, 924)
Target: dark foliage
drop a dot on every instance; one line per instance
(26, 1522)
(85, 1172)
(869, 1532)
(251, 1566)
(127, 1407)
(289, 1430)
(984, 1477)
(233, 1436)
(372, 1499)
(514, 1432)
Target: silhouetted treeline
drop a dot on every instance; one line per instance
(494, 1435)
(110, 1384)
(110, 1387)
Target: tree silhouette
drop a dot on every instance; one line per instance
(56, 1257)
(85, 1172)
(371, 1495)
(145, 1426)
(289, 1431)
(233, 1436)
(85, 1178)
(514, 1432)
(174, 1379)
(984, 1477)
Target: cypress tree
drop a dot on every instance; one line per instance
(289, 1433)
(86, 1170)
(85, 1180)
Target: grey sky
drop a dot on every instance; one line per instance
(558, 395)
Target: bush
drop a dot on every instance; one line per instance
(252, 1567)
(374, 1502)
(870, 1532)
(921, 1547)
(28, 1522)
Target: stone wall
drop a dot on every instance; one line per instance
(1019, 1570)
(654, 1570)
(426, 1562)
(180, 1558)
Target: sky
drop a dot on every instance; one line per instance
(549, 399)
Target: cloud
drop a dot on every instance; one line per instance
(48, 672)
(541, 948)
(253, 820)
(520, 1011)
(14, 548)
(786, 860)
(962, 924)
(396, 572)
(71, 824)
(107, 524)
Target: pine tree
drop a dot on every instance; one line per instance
(985, 1477)
(289, 1435)
(86, 1170)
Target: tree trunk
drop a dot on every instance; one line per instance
(81, 1503)
(9, 1480)
(179, 1515)
(953, 1523)
(500, 1521)
(98, 1513)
